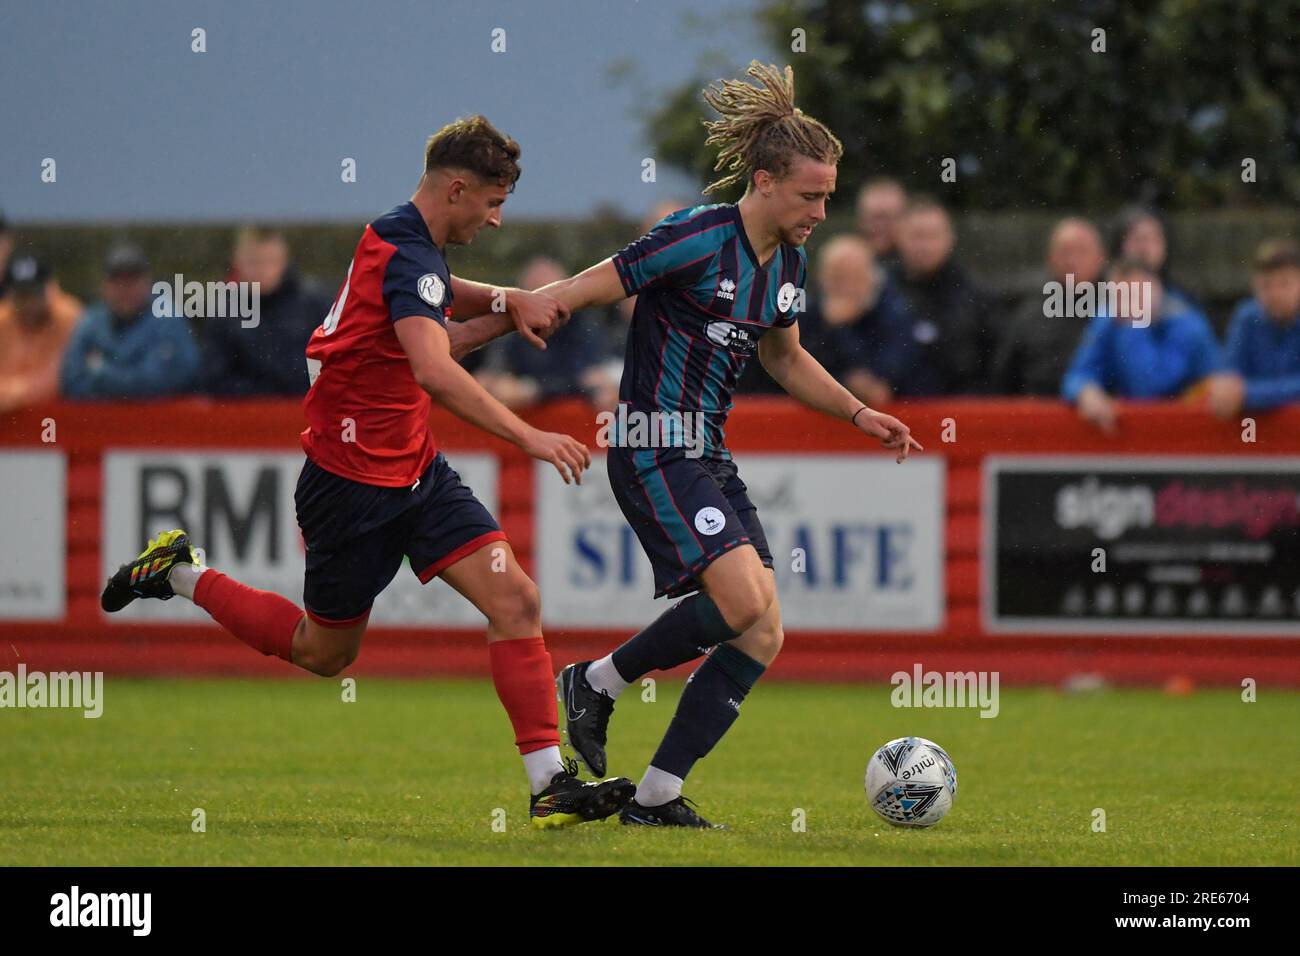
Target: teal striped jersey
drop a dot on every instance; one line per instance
(703, 302)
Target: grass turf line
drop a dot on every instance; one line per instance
(412, 771)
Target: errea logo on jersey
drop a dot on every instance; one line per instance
(431, 289)
(727, 289)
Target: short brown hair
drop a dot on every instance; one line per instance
(474, 144)
(1275, 254)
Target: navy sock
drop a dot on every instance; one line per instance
(709, 706)
(680, 634)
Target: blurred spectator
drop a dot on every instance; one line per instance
(1141, 234)
(856, 325)
(268, 358)
(1159, 348)
(570, 365)
(881, 203)
(950, 322)
(1036, 347)
(36, 322)
(1264, 337)
(121, 349)
(6, 252)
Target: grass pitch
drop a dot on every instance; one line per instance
(413, 773)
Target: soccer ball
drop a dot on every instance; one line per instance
(911, 782)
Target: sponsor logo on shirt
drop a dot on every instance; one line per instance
(730, 336)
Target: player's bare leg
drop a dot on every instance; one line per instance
(492, 580)
(265, 621)
(740, 586)
(735, 591)
(745, 592)
(326, 651)
(315, 647)
(763, 640)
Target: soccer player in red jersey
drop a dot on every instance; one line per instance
(375, 488)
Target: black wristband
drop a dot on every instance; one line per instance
(854, 419)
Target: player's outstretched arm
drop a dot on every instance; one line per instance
(533, 315)
(803, 377)
(428, 348)
(464, 337)
(592, 287)
(471, 334)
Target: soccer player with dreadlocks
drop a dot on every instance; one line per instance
(715, 285)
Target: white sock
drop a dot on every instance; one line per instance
(541, 766)
(603, 675)
(657, 787)
(183, 578)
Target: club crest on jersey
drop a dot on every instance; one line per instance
(729, 336)
(431, 289)
(709, 521)
(727, 290)
(788, 296)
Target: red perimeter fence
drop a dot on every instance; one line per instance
(85, 640)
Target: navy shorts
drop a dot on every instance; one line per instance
(357, 535)
(686, 512)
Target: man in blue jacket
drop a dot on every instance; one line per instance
(121, 349)
(1151, 346)
(1264, 337)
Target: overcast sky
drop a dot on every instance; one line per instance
(142, 128)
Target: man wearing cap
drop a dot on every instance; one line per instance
(36, 321)
(121, 348)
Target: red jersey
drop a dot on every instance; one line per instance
(367, 418)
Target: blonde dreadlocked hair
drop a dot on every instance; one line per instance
(761, 128)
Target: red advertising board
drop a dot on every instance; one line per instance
(962, 433)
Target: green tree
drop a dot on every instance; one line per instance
(1033, 111)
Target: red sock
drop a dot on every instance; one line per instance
(521, 671)
(262, 620)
